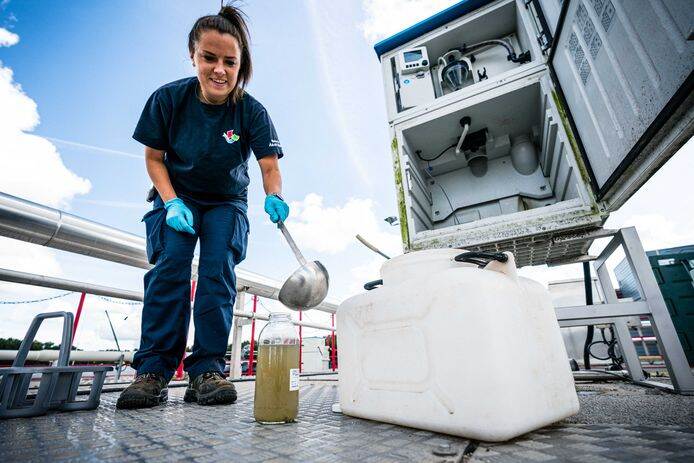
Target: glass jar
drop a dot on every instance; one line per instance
(277, 376)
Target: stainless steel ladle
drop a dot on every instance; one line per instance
(308, 285)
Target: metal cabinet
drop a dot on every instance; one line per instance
(575, 111)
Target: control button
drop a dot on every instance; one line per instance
(425, 63)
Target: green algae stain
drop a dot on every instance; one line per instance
(400, 192)
(576, 151)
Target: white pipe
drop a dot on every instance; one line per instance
(115, 356)
(236, 334)
(75, 356)
(462, 139)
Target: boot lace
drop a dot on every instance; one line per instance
(147, 378)
(212, 375)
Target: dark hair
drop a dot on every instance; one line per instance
(229, 20)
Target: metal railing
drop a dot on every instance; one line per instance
(27, 221)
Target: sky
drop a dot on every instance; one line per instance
(74, 76)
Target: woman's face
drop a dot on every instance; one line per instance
(217, 58)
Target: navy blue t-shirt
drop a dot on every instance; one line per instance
(207, 146)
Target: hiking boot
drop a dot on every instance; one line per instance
(209, 389)
(148, 390)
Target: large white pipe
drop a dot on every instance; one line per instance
(27, 221)
(115, 356)
(75, 356)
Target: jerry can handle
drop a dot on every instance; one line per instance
(502, 262)
(481, 259)
(373, 284)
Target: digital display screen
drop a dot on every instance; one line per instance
(411, 56)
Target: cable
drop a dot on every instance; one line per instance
(522, 58)
(115, 301)
(263, 306)
(455, 217)
(37, 300)
(419, 153)
(611, 345)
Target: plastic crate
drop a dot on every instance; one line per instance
(58, 385)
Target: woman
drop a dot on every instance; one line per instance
(198, 133)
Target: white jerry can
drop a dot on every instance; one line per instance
(452, 347)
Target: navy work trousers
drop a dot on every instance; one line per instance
(222, 228)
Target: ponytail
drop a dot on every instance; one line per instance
(229, 20)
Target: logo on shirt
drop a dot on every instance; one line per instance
(230, 136)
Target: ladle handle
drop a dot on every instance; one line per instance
(292, 244)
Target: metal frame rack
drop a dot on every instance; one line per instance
(615, 313)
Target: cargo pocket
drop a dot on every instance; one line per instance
(238, 242)
(155, 220)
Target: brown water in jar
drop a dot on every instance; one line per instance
(274, 401)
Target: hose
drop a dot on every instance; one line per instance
(465, 124)
(419, 154)
(611, 345)
(522, 58)
(462, 138)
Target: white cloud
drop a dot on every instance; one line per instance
(361, 274)
(332, 229)
(32, 167)
(7, 38)
(544, 275)
(658, 231)
(93, 331)
(24, 257)
(18, 110)
(661, 210)
(387, 17)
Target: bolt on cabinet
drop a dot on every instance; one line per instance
(512, 129)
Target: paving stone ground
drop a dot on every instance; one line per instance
(188, 432)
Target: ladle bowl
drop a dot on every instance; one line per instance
(308, 286)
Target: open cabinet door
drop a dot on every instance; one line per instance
(623, 69)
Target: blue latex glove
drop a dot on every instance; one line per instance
(276, 208)
(178, 216)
